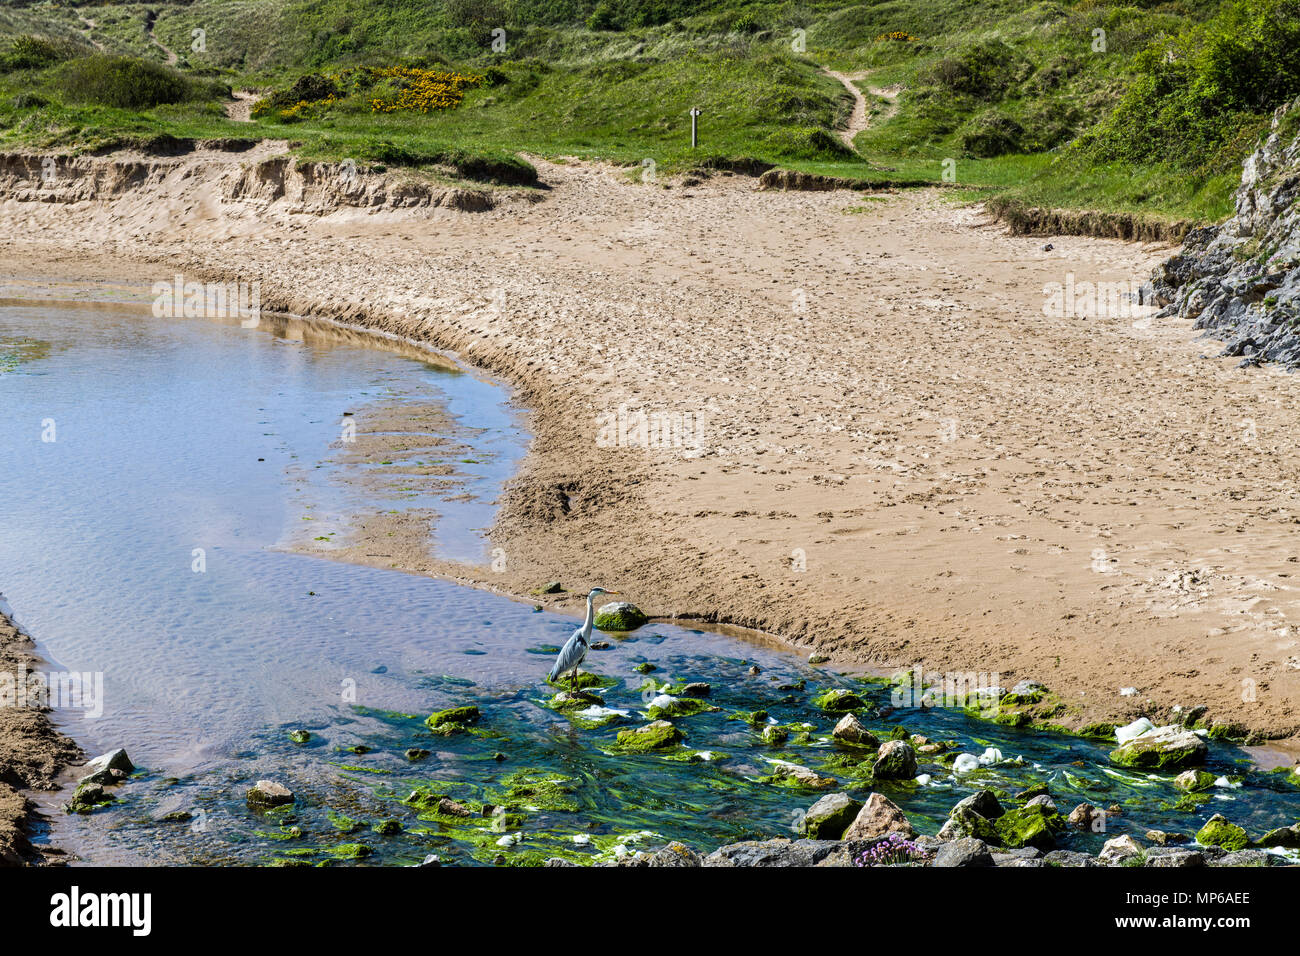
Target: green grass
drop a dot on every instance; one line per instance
(1018, 100)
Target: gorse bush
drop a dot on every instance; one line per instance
(128, 83)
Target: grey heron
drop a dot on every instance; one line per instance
(575, 648)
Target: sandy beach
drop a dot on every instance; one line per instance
(868, 437)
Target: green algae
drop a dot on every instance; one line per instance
(453, 719)
(586, 680)
(1221, 833)
(88, 798)
(837, 700)
(344, 824)
(543, 789)
(968, 823)
(1097, 731)
(620, 617)
(525, 818)
(1194, 781)
(679, 707)
(657, 735)
(566, 701)
(350, 851)
(1149, 759)
(1034, 826)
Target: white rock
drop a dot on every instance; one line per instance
(1118, 849)
(924, 779)
(596, 712)
(1128, 691)
(1134, 730)
(965, 763)
(991, 756)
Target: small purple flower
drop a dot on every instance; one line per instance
(894, 848)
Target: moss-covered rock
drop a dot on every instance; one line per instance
(850, 730)
(1162, 748)
(1228, 731)
(837, 700)
(1037, 790)
(300, 736)
(87, 798)
(656, 735)
(1025, 692)
(895, 760)
(1285, 837)
(965, 822)
(829, 817)
(452, 719)
(1034, 825)
(786, 774)
(983, 802)
(666, 705)
(1099, 731)
(566, 701)
(775, 734)
(620, 616)
(350, 851)
(1193, 781)
(585, 681)
(1219, 832)
(267, 794)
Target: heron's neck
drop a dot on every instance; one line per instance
(591, 616)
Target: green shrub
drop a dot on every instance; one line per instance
(28, 52)
(1197, 97)
(502, 169)
(985, 71)
(809, 143)
(992, 134)
(128, 82)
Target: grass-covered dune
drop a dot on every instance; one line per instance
(1122, 107)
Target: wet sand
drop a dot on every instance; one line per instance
(32, 751)
(902, 461)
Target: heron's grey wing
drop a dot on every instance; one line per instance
(571, 654)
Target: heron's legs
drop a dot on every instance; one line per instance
(573, 681)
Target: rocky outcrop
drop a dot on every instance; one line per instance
(1240, 281)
